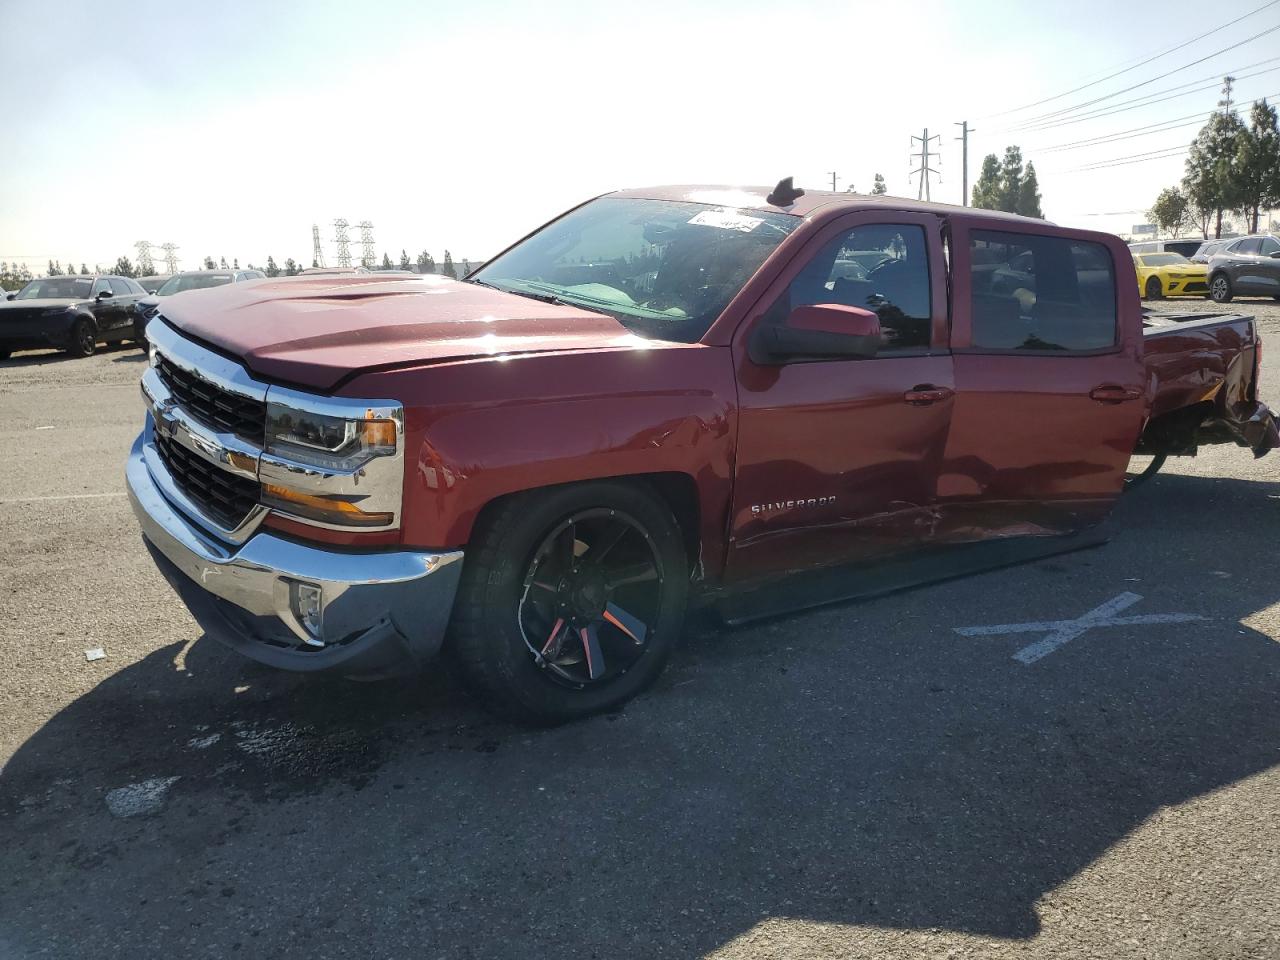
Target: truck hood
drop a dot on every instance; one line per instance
(315, 331)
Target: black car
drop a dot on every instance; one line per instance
(182, 282)
(72, 313)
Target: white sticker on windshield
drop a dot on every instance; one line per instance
(725, 220)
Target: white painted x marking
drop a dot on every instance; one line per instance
(1064, 631)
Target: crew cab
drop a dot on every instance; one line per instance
(71, 313)
(664, 396)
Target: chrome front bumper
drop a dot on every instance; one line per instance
(382, 612)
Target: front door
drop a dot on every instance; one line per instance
(838, 459)
(1050, 384)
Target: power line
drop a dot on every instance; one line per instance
(1162, 154)
(1112, 76)
(1088, 103)
(1144, 101)
(1146, 131)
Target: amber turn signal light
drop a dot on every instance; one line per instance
(324, 509)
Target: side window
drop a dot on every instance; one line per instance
(1270, 246)
(880, 267)
(1249, 247)
(100, 286)
(120, 287)
(1034, 292)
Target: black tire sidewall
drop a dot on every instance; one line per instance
(79, 347)
(1159, 289)
(512, 682)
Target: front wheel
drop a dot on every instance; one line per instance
(1154, 290)
(84, 339)
(571, 600)
(1220, 289)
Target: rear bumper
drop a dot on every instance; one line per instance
(382, 613)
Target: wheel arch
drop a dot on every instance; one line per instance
(678, 492)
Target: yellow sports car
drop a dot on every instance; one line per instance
(1170, 275)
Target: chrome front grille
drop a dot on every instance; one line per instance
(246, 417)
(226, 497)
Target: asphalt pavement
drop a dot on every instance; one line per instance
(876, 779)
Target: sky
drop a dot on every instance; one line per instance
(231, 129)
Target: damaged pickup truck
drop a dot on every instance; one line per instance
(665, 396)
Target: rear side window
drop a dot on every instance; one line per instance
(1270, 246)
(1041, 293)
(1250, 246)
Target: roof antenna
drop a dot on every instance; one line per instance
(784, 194)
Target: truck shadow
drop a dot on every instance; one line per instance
(834, 766)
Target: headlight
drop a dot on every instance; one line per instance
(331, 442)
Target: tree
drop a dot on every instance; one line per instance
(235, 264)
(466, 267)
(272, 269)
(1258, 164)
(1009, 197)
(123, 267)
(404, 260)
(1029, 195)
(84, 271)
(986, 190)
(1171, 213)
(209, 264)
(291, 268)
(447, 268)
(54, 269)
(1211, 181)
(424, 263)
(386, 261)
(878, 189)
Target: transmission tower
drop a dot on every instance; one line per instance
(170, 256)
(145, 267)
(342, 242)
(369, 256)
(317, 254)
(924, 169)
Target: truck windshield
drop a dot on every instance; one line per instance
(665, 269)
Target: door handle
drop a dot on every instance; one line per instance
(1114, 393)
(924, 394)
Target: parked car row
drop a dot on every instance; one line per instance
(76, 313)
(1219, 269)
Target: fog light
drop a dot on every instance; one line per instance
(306, 601)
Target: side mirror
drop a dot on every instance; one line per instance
(11, 296)
(821, 331)
(103, 295)
(1275, 255)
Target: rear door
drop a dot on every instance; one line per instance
(838, 459)
(1049, 379)
(1255, 266)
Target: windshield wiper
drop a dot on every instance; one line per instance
(531, 294)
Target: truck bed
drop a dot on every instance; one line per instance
(1203, 370)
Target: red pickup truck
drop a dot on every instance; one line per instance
(662, 396)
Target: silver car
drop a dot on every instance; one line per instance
(1248, 266)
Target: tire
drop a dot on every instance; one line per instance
(140, 334)
(1141, 476)
(1154, 290)
(1220, 288)
(84, 339)
(503, 605)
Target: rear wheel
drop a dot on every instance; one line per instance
(84, 339)
(1142, 467)
(1220, 289)
(1154, 290)
(570, 602)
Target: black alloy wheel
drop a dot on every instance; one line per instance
(1154, 290)
(591, 597)
(571, 599)
(84, 339)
